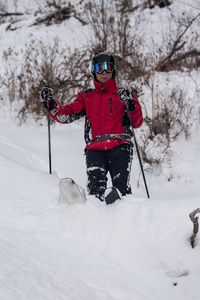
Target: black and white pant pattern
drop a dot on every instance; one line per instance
(117, 162)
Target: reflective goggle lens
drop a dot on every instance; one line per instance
(107, 66)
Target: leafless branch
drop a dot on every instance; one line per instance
(6, 14)
(175, 48)
(196, 225)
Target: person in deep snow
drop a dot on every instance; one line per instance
(107, 127)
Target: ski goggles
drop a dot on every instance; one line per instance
(101, 66)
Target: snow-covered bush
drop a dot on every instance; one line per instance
(170, 105)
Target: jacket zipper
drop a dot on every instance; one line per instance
(110, 101)
(102, 114)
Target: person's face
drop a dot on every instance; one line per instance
(103, 77)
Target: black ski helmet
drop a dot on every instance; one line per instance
(101, 57)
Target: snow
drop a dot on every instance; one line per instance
(137, 248)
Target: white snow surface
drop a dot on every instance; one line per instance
(137, 248)
(134, 249)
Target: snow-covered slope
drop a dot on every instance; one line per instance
(137, 248)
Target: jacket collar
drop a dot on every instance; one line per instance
(105, 87)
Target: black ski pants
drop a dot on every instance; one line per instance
(117, 162)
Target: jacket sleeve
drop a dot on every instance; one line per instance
(69, 113)
(136, 114)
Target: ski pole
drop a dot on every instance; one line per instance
(46, 99)
(136, 145)
(49, 142)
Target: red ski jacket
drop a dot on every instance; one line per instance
(106, 121)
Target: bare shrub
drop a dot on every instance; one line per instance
(111, 31)
(65, 71)
(169, 111)
(60, 11)
(57, 11)
(8, 79)
(180, 50)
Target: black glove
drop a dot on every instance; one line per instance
(126, 95)
(46, 98)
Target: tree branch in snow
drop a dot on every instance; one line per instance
(6, 14)
(196, 225)
(168, 60)
(173, 62)
(57, 16)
